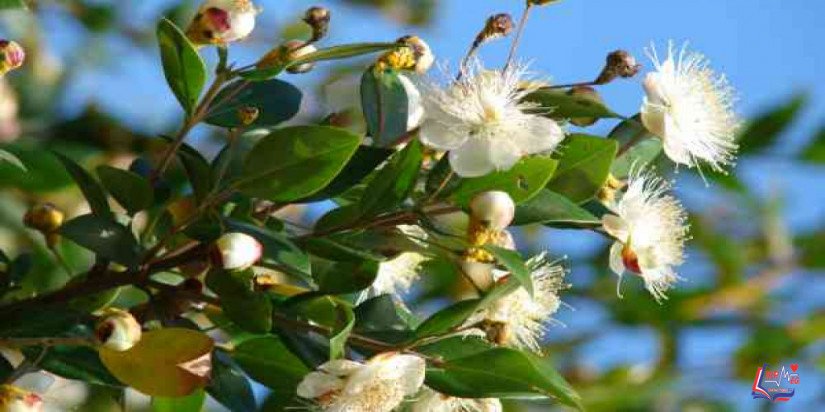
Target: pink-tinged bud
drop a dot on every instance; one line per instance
(222, 22)
(118, 330)
(237, 251)
(13, 399)
(494, 209)
(12, 56)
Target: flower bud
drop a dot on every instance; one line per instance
(424, 57)
(12, 56)
(222, 22)
(619, 64)
(45, 218)
(540, 2)
(493, 209)
(236, 251)
(286, 53)
(14, 399)
(416, 56)
(498, 25)
(318, 18)
(118, 330)
(590, 94)
(248, 114)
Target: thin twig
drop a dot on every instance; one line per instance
(514, 46)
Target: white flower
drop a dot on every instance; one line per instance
(222, 21)
(396, 275)
(118, 330)
(483, 122)
(13, 399)
(650, 230)
(691, 108)
(237, 251)
(523, 317)
(379, 385)
(496, 209)
(432, 401)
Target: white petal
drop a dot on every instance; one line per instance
(540, 135)
(616, 261)
(674, 146)
(415, 107)
(441, 136)
(341, 367)
(480, 273)
(317, 384)
(505, 155)
(409, 369)
(473, 158)
(653, 118)
(616, 227)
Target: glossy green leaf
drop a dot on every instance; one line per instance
(584, 164)
(551, 208)
(250, 310)
(316, 153)
(559, 105)
(455, 347)
(39, 322)
(104, 237)
(380, 313)
(512, 260)
(169, 362)
(385, 106)
(229, 386)
(765, 129)
(347, 277)
(197, 170)
(448, 318)
(132, 191)
(527, 178)
(277, 101)
(91, 189)
(329, 53)
(645, 148)
(501, 373)
(268, 361)
(183, 67)
(75, 362)
(190, 403)
(332, 313)
(365, 160)
(815, 151)
(441, 179)
(10, 158)
(279, 251)
(44, 172)
(394, 182)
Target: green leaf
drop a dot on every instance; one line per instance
(347, 277)
(132, 191)
(6, 368)
(268, 361)
(295, 162)
(557, 104)
(91, 189)
(11, 158)
(456, 347)
(362, 163)
(39, 322)
(13, 4)
(182, 65)
(583, 166)
(393, 183)
(277, 101)
(501, 373)
(441, 179)
(551, 208)
(104, 237)
(644, 151)
(448, 318)
(765, 129)
(332, 313)
(330, 53)
(44, 172)
(278, 250)
(385, 105)
(75, 362)
(512, 260)
(189, 403)
(815, 152)
(169, 362)
(250, 310)
(526, 179)
(380, 314)
(197, 170)
(229, 385)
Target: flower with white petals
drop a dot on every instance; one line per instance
(118, 330)
(379, 385)
(396, 275)
(520, 319)
(650, 230)
(222, 21)
(691, 108)
(483, 122)
(432, 401)
(236, 251)
(13, 399)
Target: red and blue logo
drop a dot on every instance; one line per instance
(774, 385)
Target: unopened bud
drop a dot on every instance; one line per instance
(619, 64)
(318, 18)
(540, 2)
(493, 209)
(286, 53)
(236, 251)
(118, 330)
(45, 218)
(424, 57)
(498, 25)
(222, 21)
(14, 399)
(12, 56)
(248, 114)
(590, 94)
(416, 56)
